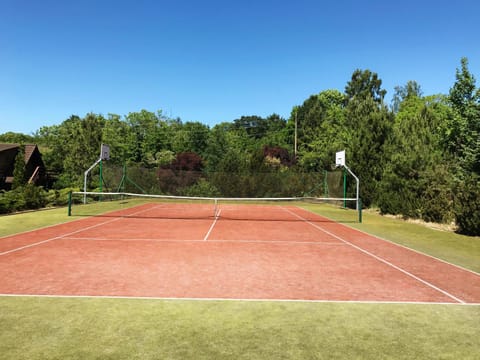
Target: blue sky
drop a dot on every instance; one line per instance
(214, 61)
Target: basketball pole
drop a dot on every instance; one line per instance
(340, 161)
(85, 175)
(101, 176)
(358, 184)
(104, 155)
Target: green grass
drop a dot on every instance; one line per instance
(12, 224)
(457, 249)
(16, 223)
(47, 328)
(94, 328)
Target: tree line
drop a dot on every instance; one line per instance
(418, 157)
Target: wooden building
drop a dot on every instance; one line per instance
(34, 166)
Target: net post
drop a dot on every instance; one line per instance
(70, 203)
(325, 183)
(360, 210)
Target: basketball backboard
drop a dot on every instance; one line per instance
(340, 158)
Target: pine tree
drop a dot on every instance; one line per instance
(19, 169)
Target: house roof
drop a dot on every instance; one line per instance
(4, 147)
(29, 149)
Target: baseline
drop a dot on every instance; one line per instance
(113, 297)
(247, 241)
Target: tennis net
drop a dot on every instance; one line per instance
(122, 204)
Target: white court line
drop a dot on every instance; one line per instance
(246, 241)
(53, 225)
(120, 297)
(416, 251)
(68, 234)
(399, 245)
(212, 226)
(40, 228)
(380, 259)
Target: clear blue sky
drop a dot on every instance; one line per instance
(214, 61)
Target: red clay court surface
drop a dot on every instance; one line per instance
(300, 256)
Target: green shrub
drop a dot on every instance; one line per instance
(7, 202)
(59, 197)
(399, 196)
(35, 197)
(202, 188)
(14, 200)
(467, 206)
(437, 196)
(26, 197)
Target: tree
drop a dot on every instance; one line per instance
(467, 205)
(412, 88)
(150, 133)
(413, 182)
(48, 136)
(187, 161)
(463, 134)
(16, 138)
(190, 137)
(321, 129)
(365, 84)
(83, 146)
(464, 95)
(217, 146)
(277, 156)
(462, 140)
(255, 126)
(119, 136)
(276, 133)
(73, 147)
(19, 169)
(369, 125)
(183, 172)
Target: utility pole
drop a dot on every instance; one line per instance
(295, 150)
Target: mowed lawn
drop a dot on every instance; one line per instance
(102, 328)
(65, 328)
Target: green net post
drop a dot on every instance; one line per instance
(121, 187)
(325, 183)
(124, 176)
(70, 203)
(360, 210)
(125, 179)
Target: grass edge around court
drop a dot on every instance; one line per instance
(94, 328)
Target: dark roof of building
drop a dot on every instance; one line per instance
(29, 149)
(4, 147)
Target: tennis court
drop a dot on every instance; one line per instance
(243, 251)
